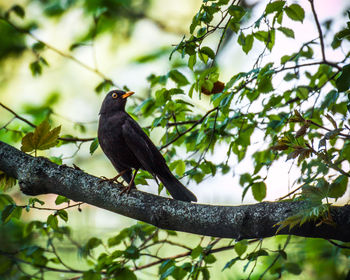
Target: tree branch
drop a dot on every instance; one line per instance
(189, 129)
(37, 175)
(318, 29)
(68, 139)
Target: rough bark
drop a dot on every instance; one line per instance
(37, 175)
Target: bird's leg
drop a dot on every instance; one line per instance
(114, 179)
(131, 184)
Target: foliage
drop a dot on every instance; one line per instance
(304, 120)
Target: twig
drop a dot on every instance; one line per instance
(51, 209)
(189, 129)
(213, 251)
(276, 258)
(319, 29)
(58, 257)
(221, 40)
(68, 139)
(338, 245)
(17, 116)
(15, 259)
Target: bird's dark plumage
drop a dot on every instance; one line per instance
(128, 147)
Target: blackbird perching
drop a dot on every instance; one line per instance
(128, 147)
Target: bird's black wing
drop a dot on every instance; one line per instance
(142, 147)
(152, 160)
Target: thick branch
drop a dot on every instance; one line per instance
(37, 175)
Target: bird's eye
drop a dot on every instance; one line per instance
(114, 95)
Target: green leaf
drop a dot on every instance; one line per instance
(237, 12)
(261, 36)
(147, 107)
(231, 263)
(179, 273)
(241, 247)
(275, 6)
(43, 61)
(91, 275)
(61, 199)
(259, 190)
(180, 168)
(295, 12)
(200, 136)
(38, 46)
(194, 24)
(192, 61)
(287, 31)
(254, 255)
(41, 139)
(116, 240)
(36, 68)
(166, 265)
(338, 187)
(265, 84)
(196, 252)
(178, 77)
(105, 85)
(57, 160)
(209, 259)
(93, 243)
(167, 273)
(125, 273)
(6, 181)
(234, 26)
(208, 51)
(52, 221)
(293, 268)
(246, 42)
(76, 45)
(6, 214)
(267, 37)
(132, 252)
(34, 200)
(201, 31)
(343, 81)
(94, 145)
(63, 215)
(245, 178)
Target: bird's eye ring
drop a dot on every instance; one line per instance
(114, 95)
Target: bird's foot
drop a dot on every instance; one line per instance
(114, 179)
(128, 188)
(111, 180)
(131, 184)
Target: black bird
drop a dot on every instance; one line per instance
(127, 146)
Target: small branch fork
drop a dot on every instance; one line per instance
(73, 139)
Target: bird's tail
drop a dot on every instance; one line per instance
(176, 189)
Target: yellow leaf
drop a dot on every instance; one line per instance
(41, 139)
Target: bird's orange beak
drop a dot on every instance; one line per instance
(127, 94)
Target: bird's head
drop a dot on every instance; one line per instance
(114, 101)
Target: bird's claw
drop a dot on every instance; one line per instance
(128, 188)
(111, 180)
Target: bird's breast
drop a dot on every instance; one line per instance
(113, 144)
